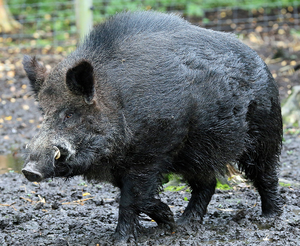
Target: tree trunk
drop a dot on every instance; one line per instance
(84, 17)
(7, 23)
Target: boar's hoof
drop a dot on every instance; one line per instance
(32, 175)
(123, 240)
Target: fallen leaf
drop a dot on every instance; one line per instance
(11, 74)
(25, 107)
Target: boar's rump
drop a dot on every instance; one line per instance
(147, 94)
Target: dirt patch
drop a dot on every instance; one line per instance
(79, 213)
(73, 212)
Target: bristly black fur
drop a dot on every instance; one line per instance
(148, 93)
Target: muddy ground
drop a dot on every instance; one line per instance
(74, 212)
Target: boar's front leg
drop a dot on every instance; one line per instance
(138, 191)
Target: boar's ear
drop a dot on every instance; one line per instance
(36, 73)
(80, 81)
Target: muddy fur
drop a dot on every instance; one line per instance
(147, 94)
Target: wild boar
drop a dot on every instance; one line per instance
(147, 94)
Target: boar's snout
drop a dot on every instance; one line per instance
(39, 166)
(47, 163)
(31, 173)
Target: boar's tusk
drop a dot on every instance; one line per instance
(57, 153)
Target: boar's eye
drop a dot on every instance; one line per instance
(68, 116)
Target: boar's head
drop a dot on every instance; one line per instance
(79, 132)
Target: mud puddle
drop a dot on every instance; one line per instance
(10, 163)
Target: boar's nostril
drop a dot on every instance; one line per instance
(32, 175)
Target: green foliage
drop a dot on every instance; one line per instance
(295, 32)
(172, 177)
(193, 9)
(175, 188)
(46, 15)
(221, 186)
(43, 42)
(82, 183)
(284, 184)
(48, 18)
(291, 131)
(173, 182)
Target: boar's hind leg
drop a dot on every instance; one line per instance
(264, 176)
(202, 191)
(138, 193)
(260, 160)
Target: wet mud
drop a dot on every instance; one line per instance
(75, 212)
(58, 212)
